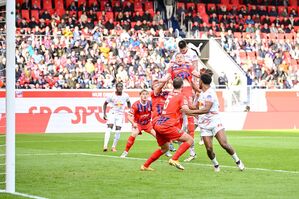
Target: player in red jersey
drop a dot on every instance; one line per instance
(159, 97)
(168, 127)
(185, 70)
(140, 118)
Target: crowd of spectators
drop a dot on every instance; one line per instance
(94, 50)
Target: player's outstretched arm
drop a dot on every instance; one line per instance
(158, 89)
(195, 87)
(165, 79)
(206, 109)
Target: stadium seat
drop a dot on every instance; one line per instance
(109, 15)
(37, 2)
(189, 5)
(90, 2)
(102, 6)
(235, 2)
(47, 5)
(25, 14)
(35, 14)
(60, 12)
(201, 8)
(68, 3)
(138, 7)
(149, 5)
(226, 2)
(58, 4)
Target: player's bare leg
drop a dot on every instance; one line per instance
(107, 136)
(208, 141)
(187, 141)
(146, 166)
(191, 129)
(221, 137)
(116, 138)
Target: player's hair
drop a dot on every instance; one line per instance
(119, 84)
(142, 91)
(182, 44)
(209, 72)
(177, 83)
(206, 78)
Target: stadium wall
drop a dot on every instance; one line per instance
(68, 111)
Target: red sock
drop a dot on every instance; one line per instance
(183, 147)
(153, 157)
(130, 143)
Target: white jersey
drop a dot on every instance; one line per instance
(190, 56)
(118, 102)
(210, 96)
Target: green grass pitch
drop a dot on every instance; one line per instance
(74, 166)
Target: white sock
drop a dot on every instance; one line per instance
(235, 157)
(107, 137)
(116, 138)
(192, 150)
(215, 162)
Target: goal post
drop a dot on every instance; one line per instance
(10, 95)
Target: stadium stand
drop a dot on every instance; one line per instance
(69, 48)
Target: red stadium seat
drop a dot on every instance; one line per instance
(37, 2)
(25, 14)
(189, 5)
(149, 5)
(102, 6)
(68, 3)
(90, 2)
(201, 8)
(179, 5)
(226, 2)
(59, 4)
(47, 5)
(109, 15)
(60, 12)
(235, 2)
(138, 6)
(35, 14)
(238, 35)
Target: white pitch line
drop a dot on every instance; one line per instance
(199, 164)
(23, 194)
(132, 158)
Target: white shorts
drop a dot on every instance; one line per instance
(115, 119)
(211, 128)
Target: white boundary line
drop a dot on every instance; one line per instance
(23, 194)
(132, 158)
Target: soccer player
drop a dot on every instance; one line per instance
(190, 55)
(183, 69)
(140, 118)
(168, 127)
(119, 100)
(210, 123)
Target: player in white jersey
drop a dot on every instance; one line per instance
(210, 123)
(190, 55)
(119, 101)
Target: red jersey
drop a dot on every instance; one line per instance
(171, 114)
(158, 103)
(141, 112)
(184, 71)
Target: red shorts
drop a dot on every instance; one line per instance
(147, 127)
(166, 134)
